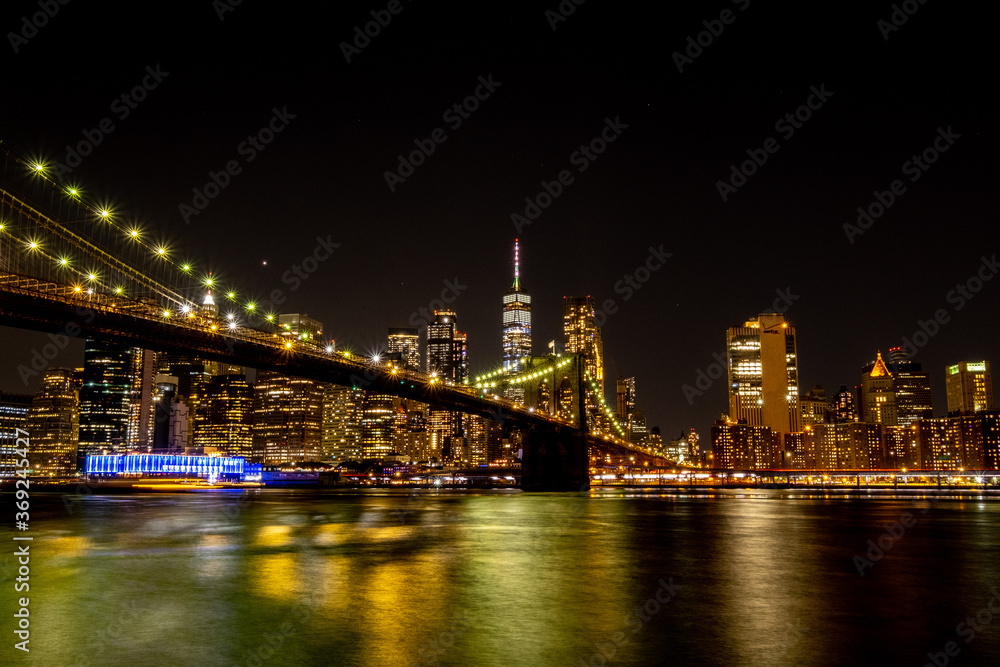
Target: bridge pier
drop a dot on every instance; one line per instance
(555, 461)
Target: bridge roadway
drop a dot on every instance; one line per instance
(59, 309)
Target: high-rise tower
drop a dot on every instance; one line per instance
(970, 387)
(516, 320)
(763, 374)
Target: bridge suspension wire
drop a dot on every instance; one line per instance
(61, 206)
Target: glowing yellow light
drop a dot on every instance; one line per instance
(270, 318)
(288, 344)
(73, 192)
(38, 167)
(118, 290)
(134, 233)
(186, 267)
(166, 313)
(77, 288)
(161, 251)
(251, 306)
(231, 295)
(33, 245)
(63, 261)
(104, 212)
(209, 282)
(91, 276)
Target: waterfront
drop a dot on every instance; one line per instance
(391, 577)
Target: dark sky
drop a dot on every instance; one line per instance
(655, 185)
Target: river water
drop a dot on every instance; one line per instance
(618, 577)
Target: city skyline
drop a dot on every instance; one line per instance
(666, 131)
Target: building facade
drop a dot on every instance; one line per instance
(54, 424)
(970, 387)
(763, 374)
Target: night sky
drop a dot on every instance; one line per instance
(881, 102)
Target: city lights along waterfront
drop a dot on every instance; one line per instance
(507, 578)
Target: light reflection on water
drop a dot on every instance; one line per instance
(505, 578)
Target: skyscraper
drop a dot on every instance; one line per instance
(913, 388)
(226, 416)
(288, 413)
(14, 410)
(341, 439)
(447, 352)
(581, 335)
(878, 394)
(970, 387)
(516, 324)
(54, 423)
(763, 374)
(405, 342)
(116, 399)
(377, 425)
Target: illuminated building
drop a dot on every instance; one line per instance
(970, 387)
(341, 438)
(54, 424)
(14, 410)
(302, 328)
(961, 442)
(581, 335)
(848, 446)
(634, 423)
(447, 349)
(763, 374)
(902, 446)
(636, 426)
(405, 342)
(878, 394)
(288, 414)
(912, 385)
(226, 416)
(844, 407)
(116, 399)
(814, 406)
(448, 360)
(516, 327)
(743, 446)
(165, 466)
(377, 425)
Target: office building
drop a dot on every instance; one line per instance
(582, 336)
(970, 387)
(54, 424)
(14, 410)
(288, 413)
(341, 429)
(763, 374)
(516, 322)
(405, 342)
(116, 399)
(814, 406)
(912, 385)
(226, 417)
